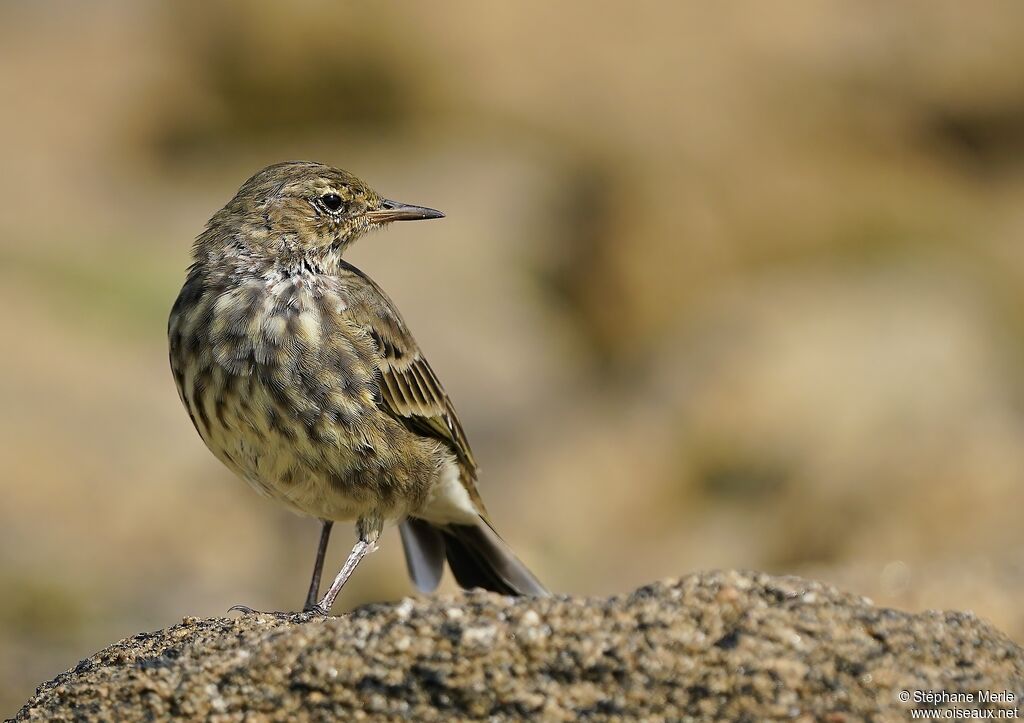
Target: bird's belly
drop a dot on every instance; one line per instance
(276, 473)
(278, 458)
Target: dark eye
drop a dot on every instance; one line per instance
(331, 201)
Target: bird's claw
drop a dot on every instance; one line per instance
(246, 610)
(308, 613)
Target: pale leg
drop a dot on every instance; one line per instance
(369, 532)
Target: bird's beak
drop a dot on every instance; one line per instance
(395, 211)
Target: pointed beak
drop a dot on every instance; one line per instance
(395, 211)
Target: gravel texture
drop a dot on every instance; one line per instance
(719, 645)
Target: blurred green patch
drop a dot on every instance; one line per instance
(122, 292)
(39, 609)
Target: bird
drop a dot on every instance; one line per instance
(301, 376)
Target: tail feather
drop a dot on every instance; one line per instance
(424, 548)
(476, 554)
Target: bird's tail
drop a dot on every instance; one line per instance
(476, 554)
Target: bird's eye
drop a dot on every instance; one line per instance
(331, 201)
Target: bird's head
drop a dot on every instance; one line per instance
(301, 210)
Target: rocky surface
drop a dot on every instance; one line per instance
(726, 645)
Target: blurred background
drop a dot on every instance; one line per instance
(720, 285)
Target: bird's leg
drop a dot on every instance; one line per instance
(369, 529)
(318, 567)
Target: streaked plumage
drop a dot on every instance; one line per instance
(301, 376)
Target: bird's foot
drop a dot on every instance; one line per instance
(244, 609)
(314, 611)
(280, 615)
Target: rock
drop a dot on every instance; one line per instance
(726, 645)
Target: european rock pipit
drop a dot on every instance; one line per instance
(301, 376)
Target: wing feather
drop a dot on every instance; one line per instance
(409, 389)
